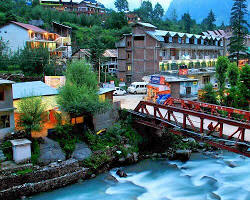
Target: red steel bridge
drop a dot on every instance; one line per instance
(223, 127)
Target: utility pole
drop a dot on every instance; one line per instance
(99, 70)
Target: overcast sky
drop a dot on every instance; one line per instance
(136, 3)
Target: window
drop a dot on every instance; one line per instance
(142, 86)
(4, 121)
(129, 44)
(2, 94)
(206, 79)
(139, 38)
(128, 55)
(129, 67)
(188, 90)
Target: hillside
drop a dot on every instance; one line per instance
(199, 9)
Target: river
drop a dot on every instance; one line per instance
(203, 177)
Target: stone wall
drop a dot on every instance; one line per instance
(55, 175)
(107, 119)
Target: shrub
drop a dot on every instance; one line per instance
(7, 150)
(96, 160)
(203, 64)
(35, 149)
(190, 65)
(197, 65)
(64, 136)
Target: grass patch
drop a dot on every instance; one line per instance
(25, 171)
(96, 160)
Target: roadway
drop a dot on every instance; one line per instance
(130, 101)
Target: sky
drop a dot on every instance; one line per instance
(136, 3)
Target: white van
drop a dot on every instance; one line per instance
(138, 88)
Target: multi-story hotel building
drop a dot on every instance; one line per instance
(148, 51)
(88, 7)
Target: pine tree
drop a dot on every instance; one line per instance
(121, 5)
(186, 18)
(158, 12)
(239, 28)
(210, 20)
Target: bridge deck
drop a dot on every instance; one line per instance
(226, 133)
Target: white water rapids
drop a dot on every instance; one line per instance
(226, 177)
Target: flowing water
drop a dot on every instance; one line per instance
(203, 177)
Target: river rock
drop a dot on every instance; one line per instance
(121, 173)
(122, 159)
(50, 151)
(213, 196)
(182, 155)
(135, 157)
(231, 164)
(82, 151)
(111, 178)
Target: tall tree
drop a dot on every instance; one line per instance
(186, 18)
(221, 69)
(239, 27)
(173, 15)
(209, 95)
(79, 96)
(145, 12)
(233, 74)
(211, 20)
(32, 114)
(158, 12)
(96, 47)
(121, 5)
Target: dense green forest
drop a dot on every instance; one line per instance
(112, 26)
(96, 33)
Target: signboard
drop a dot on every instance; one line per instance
(122, 84)
(183, 71)
(108, 85)
(55, 81)
(157, 80)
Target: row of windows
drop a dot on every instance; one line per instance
(192, 41)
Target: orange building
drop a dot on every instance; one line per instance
(35, 89)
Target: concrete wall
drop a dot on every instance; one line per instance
(15, 36)
(5, 131)
(7, 104)
(194, 88)
(107, 119)
(8, 97)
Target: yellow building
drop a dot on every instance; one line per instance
(33, 89)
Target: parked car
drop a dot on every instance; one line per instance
(119, 91)
(138, 88)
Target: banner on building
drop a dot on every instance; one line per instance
(55, 81)
(158, 80)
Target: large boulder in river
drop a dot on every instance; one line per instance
(182, 155)
(82, 151)
(121, 173)
(50, 151)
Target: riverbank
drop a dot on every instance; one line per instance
(119, 146)
(60, 174)
(225, 177)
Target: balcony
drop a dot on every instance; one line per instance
(191, 46)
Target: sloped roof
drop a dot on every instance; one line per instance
(4, 81)
(29, 27)
(33, 88)
(146, 25)
(110, 53)
(105, 90)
